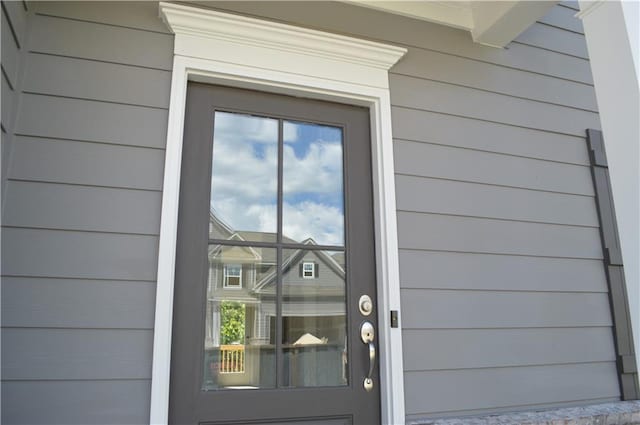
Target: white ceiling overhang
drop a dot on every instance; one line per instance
(492, 23)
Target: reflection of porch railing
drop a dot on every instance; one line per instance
(232, 358)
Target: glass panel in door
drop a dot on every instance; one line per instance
(244, 178)
(239, 351)
(314, 327)
(313, 194)
(276, 296)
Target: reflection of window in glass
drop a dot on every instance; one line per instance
(308, 270)
(233, 276)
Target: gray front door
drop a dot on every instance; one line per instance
(275, 250)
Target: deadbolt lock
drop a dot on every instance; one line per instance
(365, 305)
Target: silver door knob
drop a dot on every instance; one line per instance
(366, 332)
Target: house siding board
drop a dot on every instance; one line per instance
(499, 246)
(466, 72)
(478, 235)
(431, 160)
(499, 309)
(571, 4)
(102, 42)
(31, 302)
(92, 121)
(505, 347)
(90, 164)
(451, 130)
(141, 15)
(448, 391)
(555, 39)
(82, 255)
(488, 201)
(421, 269)
(563, 17)
(83, 402)
(463, 101)
(63, 76)
(74, 207)
(76, 354)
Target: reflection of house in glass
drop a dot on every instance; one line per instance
(240, 327)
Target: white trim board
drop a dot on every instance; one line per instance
(243, 52)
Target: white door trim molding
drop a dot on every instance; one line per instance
(237, 51)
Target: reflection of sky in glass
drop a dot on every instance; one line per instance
(313, 193)
(245, 172)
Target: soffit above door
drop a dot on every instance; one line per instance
(491, 23)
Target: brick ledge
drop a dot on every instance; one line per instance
(618, 413)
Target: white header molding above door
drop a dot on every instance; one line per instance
(234, 50)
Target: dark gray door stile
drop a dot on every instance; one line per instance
(342, 404)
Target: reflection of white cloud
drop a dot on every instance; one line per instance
(245, 157)
(240, 215)
(289, 132)
(246, 127)
(323, 223)
(319, 171)
(244, 180)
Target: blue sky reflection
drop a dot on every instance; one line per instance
(244, 177)
(313, 185)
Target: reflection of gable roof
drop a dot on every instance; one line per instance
(215, 250)
(338, 257)
(263, 236)
(217, 222)
(293, 259)
(267, 256)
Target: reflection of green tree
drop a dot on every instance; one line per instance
(232, 329)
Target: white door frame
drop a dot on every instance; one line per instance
(237, 51)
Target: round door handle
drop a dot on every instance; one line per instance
(367, 333)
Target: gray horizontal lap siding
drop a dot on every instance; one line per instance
(501, 266)
(503, 288)
(82, 214)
